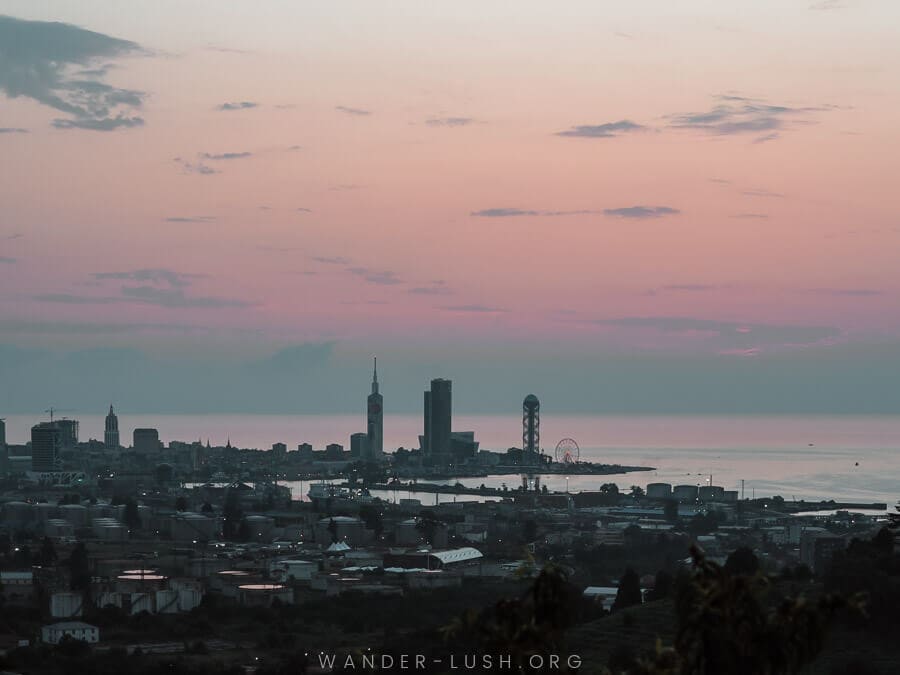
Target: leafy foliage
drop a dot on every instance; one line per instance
(727, 624)
(533, 624)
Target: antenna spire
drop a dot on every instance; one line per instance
(375, 377)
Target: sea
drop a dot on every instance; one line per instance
(845, 458)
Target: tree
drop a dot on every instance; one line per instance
(670, 510)
(333, 530)
(181, 503)
(48, 552)
(725, 625)
(662, 586)
(702, 523)
(637, 491)
(232, 515)
(243, 531)
(206, 508)
(631, 531)
(164, 474)
(131, 517)
(428, 525)
(534, 623)
(371, 516)
(742, 561)
(629, 592)
(79, 568)
(872, 567)
(529, 530)
(22, 557)
(610, 494)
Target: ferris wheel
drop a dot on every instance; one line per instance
(567, 451)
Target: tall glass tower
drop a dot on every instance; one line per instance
(438, 415)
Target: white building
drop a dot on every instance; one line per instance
(78, 630)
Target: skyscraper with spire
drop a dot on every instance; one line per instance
(375, 417)
(111, 433)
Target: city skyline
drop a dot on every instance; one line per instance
(197, 220)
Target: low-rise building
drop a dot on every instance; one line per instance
(77, 630)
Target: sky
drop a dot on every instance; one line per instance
(624, 207)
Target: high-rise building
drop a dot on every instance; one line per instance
(146, 441)
(334, 452)
(306, 452)
(438, 419)
(375, 417)
(279, 453)
(4, 451)
(425, 438)
(46, 441)
(111, 433)
(359, 446)
(68, 431)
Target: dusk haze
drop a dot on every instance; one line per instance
(587, 198)
(389, 335)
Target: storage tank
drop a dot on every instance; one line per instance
(65, 605)
(260, 528)
(107, 598)
(712, 493)
(102, 511)
(135, 583)
(730, 495)
(189, 526)
(46, 512)
(685, 493)
(350, 530)
(167, 601)
(227, 581)
(189, 598)
(659, 490)
(407, 532)
(109, 529)
(112, 532)
(56, 528)
(298, 570)
(75, 514)
(18, 514)
(263, 595)
(141, 602)
(203, 566)
(140, 572)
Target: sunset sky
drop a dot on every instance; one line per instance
(643, 206)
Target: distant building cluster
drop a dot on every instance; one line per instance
(439, 445)
(55, 454)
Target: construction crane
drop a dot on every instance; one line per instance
(53, 410)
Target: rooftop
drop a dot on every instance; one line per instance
(72, 625)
